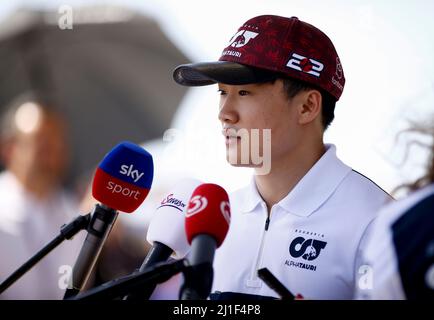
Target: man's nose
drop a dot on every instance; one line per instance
(228, 113)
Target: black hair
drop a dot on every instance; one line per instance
(293, 86)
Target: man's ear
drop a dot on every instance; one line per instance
(310, 106)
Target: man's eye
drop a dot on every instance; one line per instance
(221, 92)
(243, 93)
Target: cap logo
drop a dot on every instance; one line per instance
(338, 74)
(197, 204)
(241, 38)
(339, 71)
(306, 65)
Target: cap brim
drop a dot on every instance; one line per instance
(206, 73)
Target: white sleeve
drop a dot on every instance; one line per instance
(362, 279)
(377, 274)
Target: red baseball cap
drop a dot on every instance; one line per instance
(267, 47)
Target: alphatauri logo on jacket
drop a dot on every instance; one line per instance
(308, 249)
(305, 248)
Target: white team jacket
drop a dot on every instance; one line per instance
(313, 239)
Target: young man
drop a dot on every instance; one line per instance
(306, 217)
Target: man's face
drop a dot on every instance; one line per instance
(258, 106)
(42, 152)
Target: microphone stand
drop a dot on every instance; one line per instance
(158, 253)
(120, 287)
(67, 231)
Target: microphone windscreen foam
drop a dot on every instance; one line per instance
(124, 177)
(208, 213)
(167, 225)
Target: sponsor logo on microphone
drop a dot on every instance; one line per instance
(130, 172)
(123, 178)
(226, 211)
(197, 204)
(125, 191)
(171, 201)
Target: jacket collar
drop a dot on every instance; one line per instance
(316, 186)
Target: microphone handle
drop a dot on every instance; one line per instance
(202, 250)
(158, 253)
(198, 276)
(101, 223)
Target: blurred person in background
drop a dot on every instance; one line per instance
(33, 204)
(399, 256)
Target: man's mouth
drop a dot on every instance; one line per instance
(230, 136)
(232, 140)
(230, 133)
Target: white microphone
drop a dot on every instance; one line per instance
(166, 232)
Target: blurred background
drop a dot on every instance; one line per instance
(109, 78)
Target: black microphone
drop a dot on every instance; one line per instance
(151, 276)
(166, 232)
(121, 182)
(206, 224)
(274, 284)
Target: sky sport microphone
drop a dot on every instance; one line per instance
(166, 232)
(121, 182)
(206, 224)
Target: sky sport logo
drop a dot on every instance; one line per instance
(134, 174)
(130, 172)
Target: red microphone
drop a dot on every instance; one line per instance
(206, 224)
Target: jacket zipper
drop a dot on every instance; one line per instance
(254, 280)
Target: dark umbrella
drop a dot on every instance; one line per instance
(112, 79)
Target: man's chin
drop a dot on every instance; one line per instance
(259, 169)
(238, 163)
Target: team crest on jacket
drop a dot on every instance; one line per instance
(305, 248)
